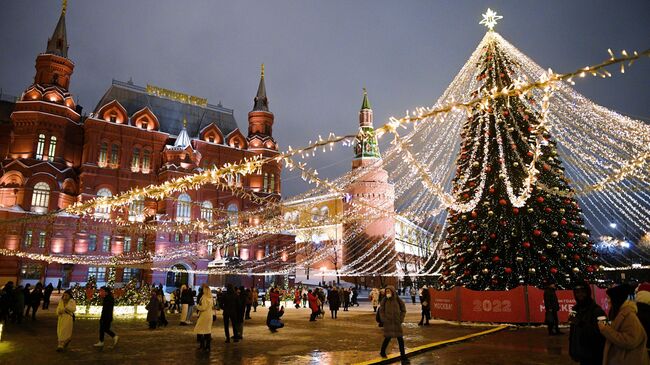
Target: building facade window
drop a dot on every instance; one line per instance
(130, 273)
(52, 148)
(41, 239)
(27, 242)
(115, 156)
(127, 244)
(272, 184)
(233, 214)
(40, 197)
(136, 210)
(99, 273)
(106, 244)
(183, 208)
(266, 183)
(146, 161)
(92, 242)
(31, 271)
(206, 211)
(40, 146)
(102, 161)
(103, 211)
(140, 244)
(186, 238)
(135, 161)
(210, 248)
(238, 180)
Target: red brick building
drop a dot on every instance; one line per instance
(53, 156)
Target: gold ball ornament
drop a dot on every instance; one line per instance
(554, 234)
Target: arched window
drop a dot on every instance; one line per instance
(135, 161)
(272, 184)
(102, 161)
(115, 156)
(146, 161)
(52, 148)
(103, 211)
(266, 183)
(287, 217)
(206, 211)
(136, 210)
(40, 197)
(40, 146)
(324, 213)
(183, 208)
(233, 214)
(315, 214)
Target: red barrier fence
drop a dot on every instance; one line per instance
(519, 305)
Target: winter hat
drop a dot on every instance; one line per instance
(619, 294)
(643, 287)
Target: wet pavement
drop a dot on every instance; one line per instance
(351, 338)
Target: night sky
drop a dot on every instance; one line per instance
(319, 55)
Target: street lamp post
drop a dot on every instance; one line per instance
(322, 275)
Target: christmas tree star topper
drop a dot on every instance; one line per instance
(490, 18)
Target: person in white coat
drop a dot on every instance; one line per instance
(65, 310)
(203, 327)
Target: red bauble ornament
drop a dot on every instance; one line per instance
(547, 167)
(553, 270)
(474, 214)
(491, 190)
(570, 234)
(503, 202)
(548, 210)
(483, 248)
(515, 210)
(540, 199)
(472, 184)
(461, 259)
(537, 232)
(530, 154)
(465, 196)
(563, 222)
(507, 270)
(466, 272)
(542, 258)
(465, 238)
(488, 169)
(526, 244)
(569, 245)
(493, 235)
(567, 201)
(495, 259)
(576, 257)
(590, 268)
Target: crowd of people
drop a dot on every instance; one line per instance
(595, 337)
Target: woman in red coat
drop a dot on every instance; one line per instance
(313, 304)
(297, 298)
(275, 297)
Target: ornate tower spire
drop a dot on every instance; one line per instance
(58, 43)
(365, 146)
(261, 101)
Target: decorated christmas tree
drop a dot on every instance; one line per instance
(515, 221)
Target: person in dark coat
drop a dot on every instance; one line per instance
(34, 301)
(643, 307)
(58, 286)
(153, 310)
(355, 296)
(162, 318)
(241, 312)
(586, 344)
(229, 306)
(6, 301)
(106, 317)
(334, 300)
(248, 294)
(19, 304)
(425, 304)
(273, 318)
(392, 312)
(552, 307)
(47, 293)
